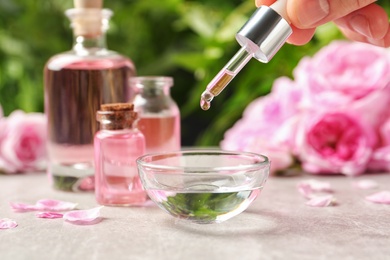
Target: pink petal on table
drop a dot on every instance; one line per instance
(308, 187)
(366, 184)
(317, 186)
(21, 206)
(382, 197)
(6, 223)
(83, 216)
(321, 201)
(87, 184)
(54, 205)
(305, 190)
(44, 204)
(50, 215)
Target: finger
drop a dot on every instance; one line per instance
(300, 36)
(386, 39)
(370, 21)
(384, 42)
(359, 20)
(369, 24)
(312, 13)
(264, 2)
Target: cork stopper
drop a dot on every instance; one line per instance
(116, 116)
(117, 107)
(88, 17)
(88, 4)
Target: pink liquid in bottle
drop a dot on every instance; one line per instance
(73, 94)
(158, 112)
(77, 82)
(117, 147)
(117, 180)
(161, 133)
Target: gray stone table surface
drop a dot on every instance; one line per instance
(278, 225)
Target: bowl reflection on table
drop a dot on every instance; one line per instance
(203, 186)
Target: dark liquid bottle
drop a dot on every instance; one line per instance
(77, 82)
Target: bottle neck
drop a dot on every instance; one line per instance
(121, 129)
(154, 92)
(116, 120)
(89, 29)
(118, 126)
(152, 86)
(89, 44)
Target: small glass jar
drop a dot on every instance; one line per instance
(117, 146)
(159, 115)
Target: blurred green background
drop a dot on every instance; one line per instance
(188, 40)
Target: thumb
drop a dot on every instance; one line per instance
(311, 13)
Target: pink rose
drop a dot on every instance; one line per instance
(347, 75)
(384, 132)
(22, 142)
(334, 117)
(264, 125)
(380, 160)
(334, 143)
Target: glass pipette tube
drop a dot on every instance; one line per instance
(223, 78)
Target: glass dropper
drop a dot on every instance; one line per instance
(223, 78)
(260, 37)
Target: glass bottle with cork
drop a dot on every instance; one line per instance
(159, 114)
(117, 146)
(77, 82)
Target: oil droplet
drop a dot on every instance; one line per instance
(204, 104)
(205, 100)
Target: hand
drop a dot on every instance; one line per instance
(359, 20)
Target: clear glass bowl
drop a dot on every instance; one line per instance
(203, 186)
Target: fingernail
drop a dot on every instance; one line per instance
(360, 24)
(312, 12)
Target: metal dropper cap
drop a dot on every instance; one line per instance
(265, 32)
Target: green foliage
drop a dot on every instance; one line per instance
(188, 40)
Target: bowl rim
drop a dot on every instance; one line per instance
(140, 161)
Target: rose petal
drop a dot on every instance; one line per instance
(382, 197)
(317, 186)
(6, 223)
(305, 190)
(87, 184)
(21, 206)
(321, 201)
(308, 187)
(54, 205)
(50, 215)
(44, 204)
(366, 184)
(88, 215)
